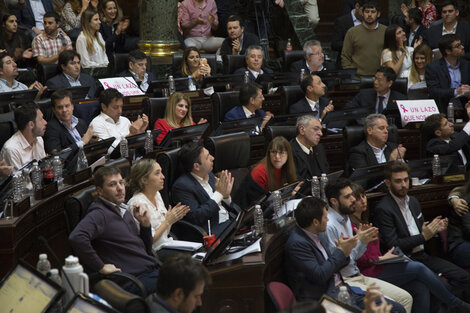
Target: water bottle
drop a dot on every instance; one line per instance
(302, 74)
(17, 181)
(82, 162)
(36, 177)
(123, 148)
(323, 183)
(43, 266)
(259, 220)
(436, 166)
(277, 203)
(57, 167)
(148, 142)
(191, 85)
(55, 277)
(78, 279)
(343, 295)
(171, 84)
(289, 45)
(27, 185)
(450, 112)
(246, 78)
(316, 187)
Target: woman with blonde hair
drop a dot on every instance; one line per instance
(90, 44)
(177, 114)
(422, 55)
(145, 181)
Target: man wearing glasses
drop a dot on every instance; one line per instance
(448, 78)
(314, 59)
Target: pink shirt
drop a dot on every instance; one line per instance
(190, 11)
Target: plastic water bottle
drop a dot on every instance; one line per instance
(259, 220)
(123, 148)
(302, 74)
(17, 181)
(277, 203)
(27, 185)
(43, 266)
(316, 187)
(323, 183)
(171, 84)
(148, 142)
(450, 112)
(191, 85)
(57, 306)
(36, 177)
(289, 45)
(82, 162)
(57, 166)
(343, 295)
(246, 78)
(436, 166)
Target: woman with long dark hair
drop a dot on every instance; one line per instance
(15, 42)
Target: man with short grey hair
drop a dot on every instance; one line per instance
(254, 63)
(376, 148)
(314, 59)
(309, 155)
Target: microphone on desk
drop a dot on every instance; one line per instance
(44, 242)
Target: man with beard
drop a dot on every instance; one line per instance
(49, 44)
(341, 200)
(363, 43)
(401, 224)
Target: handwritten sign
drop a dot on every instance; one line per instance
(125, 85)
(416, 110)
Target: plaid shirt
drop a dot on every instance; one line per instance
(46, 46)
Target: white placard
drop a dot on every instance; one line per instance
(125, 85)
(416, 110)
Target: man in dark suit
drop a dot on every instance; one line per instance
(442, 139)
(414, 29)
(449, 25)
(314, 59)
(376, 148)
(208, 197)
(254, 62)
(314, 101)
(401, 224)
(138, 70)
(312, 270)
(238, 40)
(30, 15)
(309, 155)
(449, 77)
(69, 62)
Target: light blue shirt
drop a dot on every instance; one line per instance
(74, 132)
(17, 86)
(455, 76)
(73, 82)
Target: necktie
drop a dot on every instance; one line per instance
(381, 104)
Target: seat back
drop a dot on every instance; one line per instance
(289, 57)
(232, 62)
(121, 63)
(45, 106)
(119, 298)
(222, 102)
(184, 230)
(47, 71)
(7, 127)
(87, 110)
(231, 152)
(400, 84)
(76, 206)
(289, 96)
(271, 132)
(168, 160)
(154, 108)
(281, 295)
(177, 59)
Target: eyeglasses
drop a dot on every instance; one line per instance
(281, 153)
(315, 54)
(457, 46)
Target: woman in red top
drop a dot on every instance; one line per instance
(277, 168)
(177, 114)
(414, 277)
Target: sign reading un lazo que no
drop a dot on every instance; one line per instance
(125, 85)
(416, 110)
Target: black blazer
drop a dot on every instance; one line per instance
(458, 229)
(302, 106)
(458, 141)
(362, 155)
(127, 73)
(392, 226)
(60, 81)
(306, 169)
(368, 98)
(434, 33)
(296, 66)
(57, 136)
(438, 81)
(342, 25)
(25, 15)
(241, 71)
(249, 39)
(421, 31)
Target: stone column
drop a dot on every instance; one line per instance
(158, 31)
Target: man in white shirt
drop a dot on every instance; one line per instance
(27, 143)
(110, 123)
(207, 196)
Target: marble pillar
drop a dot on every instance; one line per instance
(158, 31)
